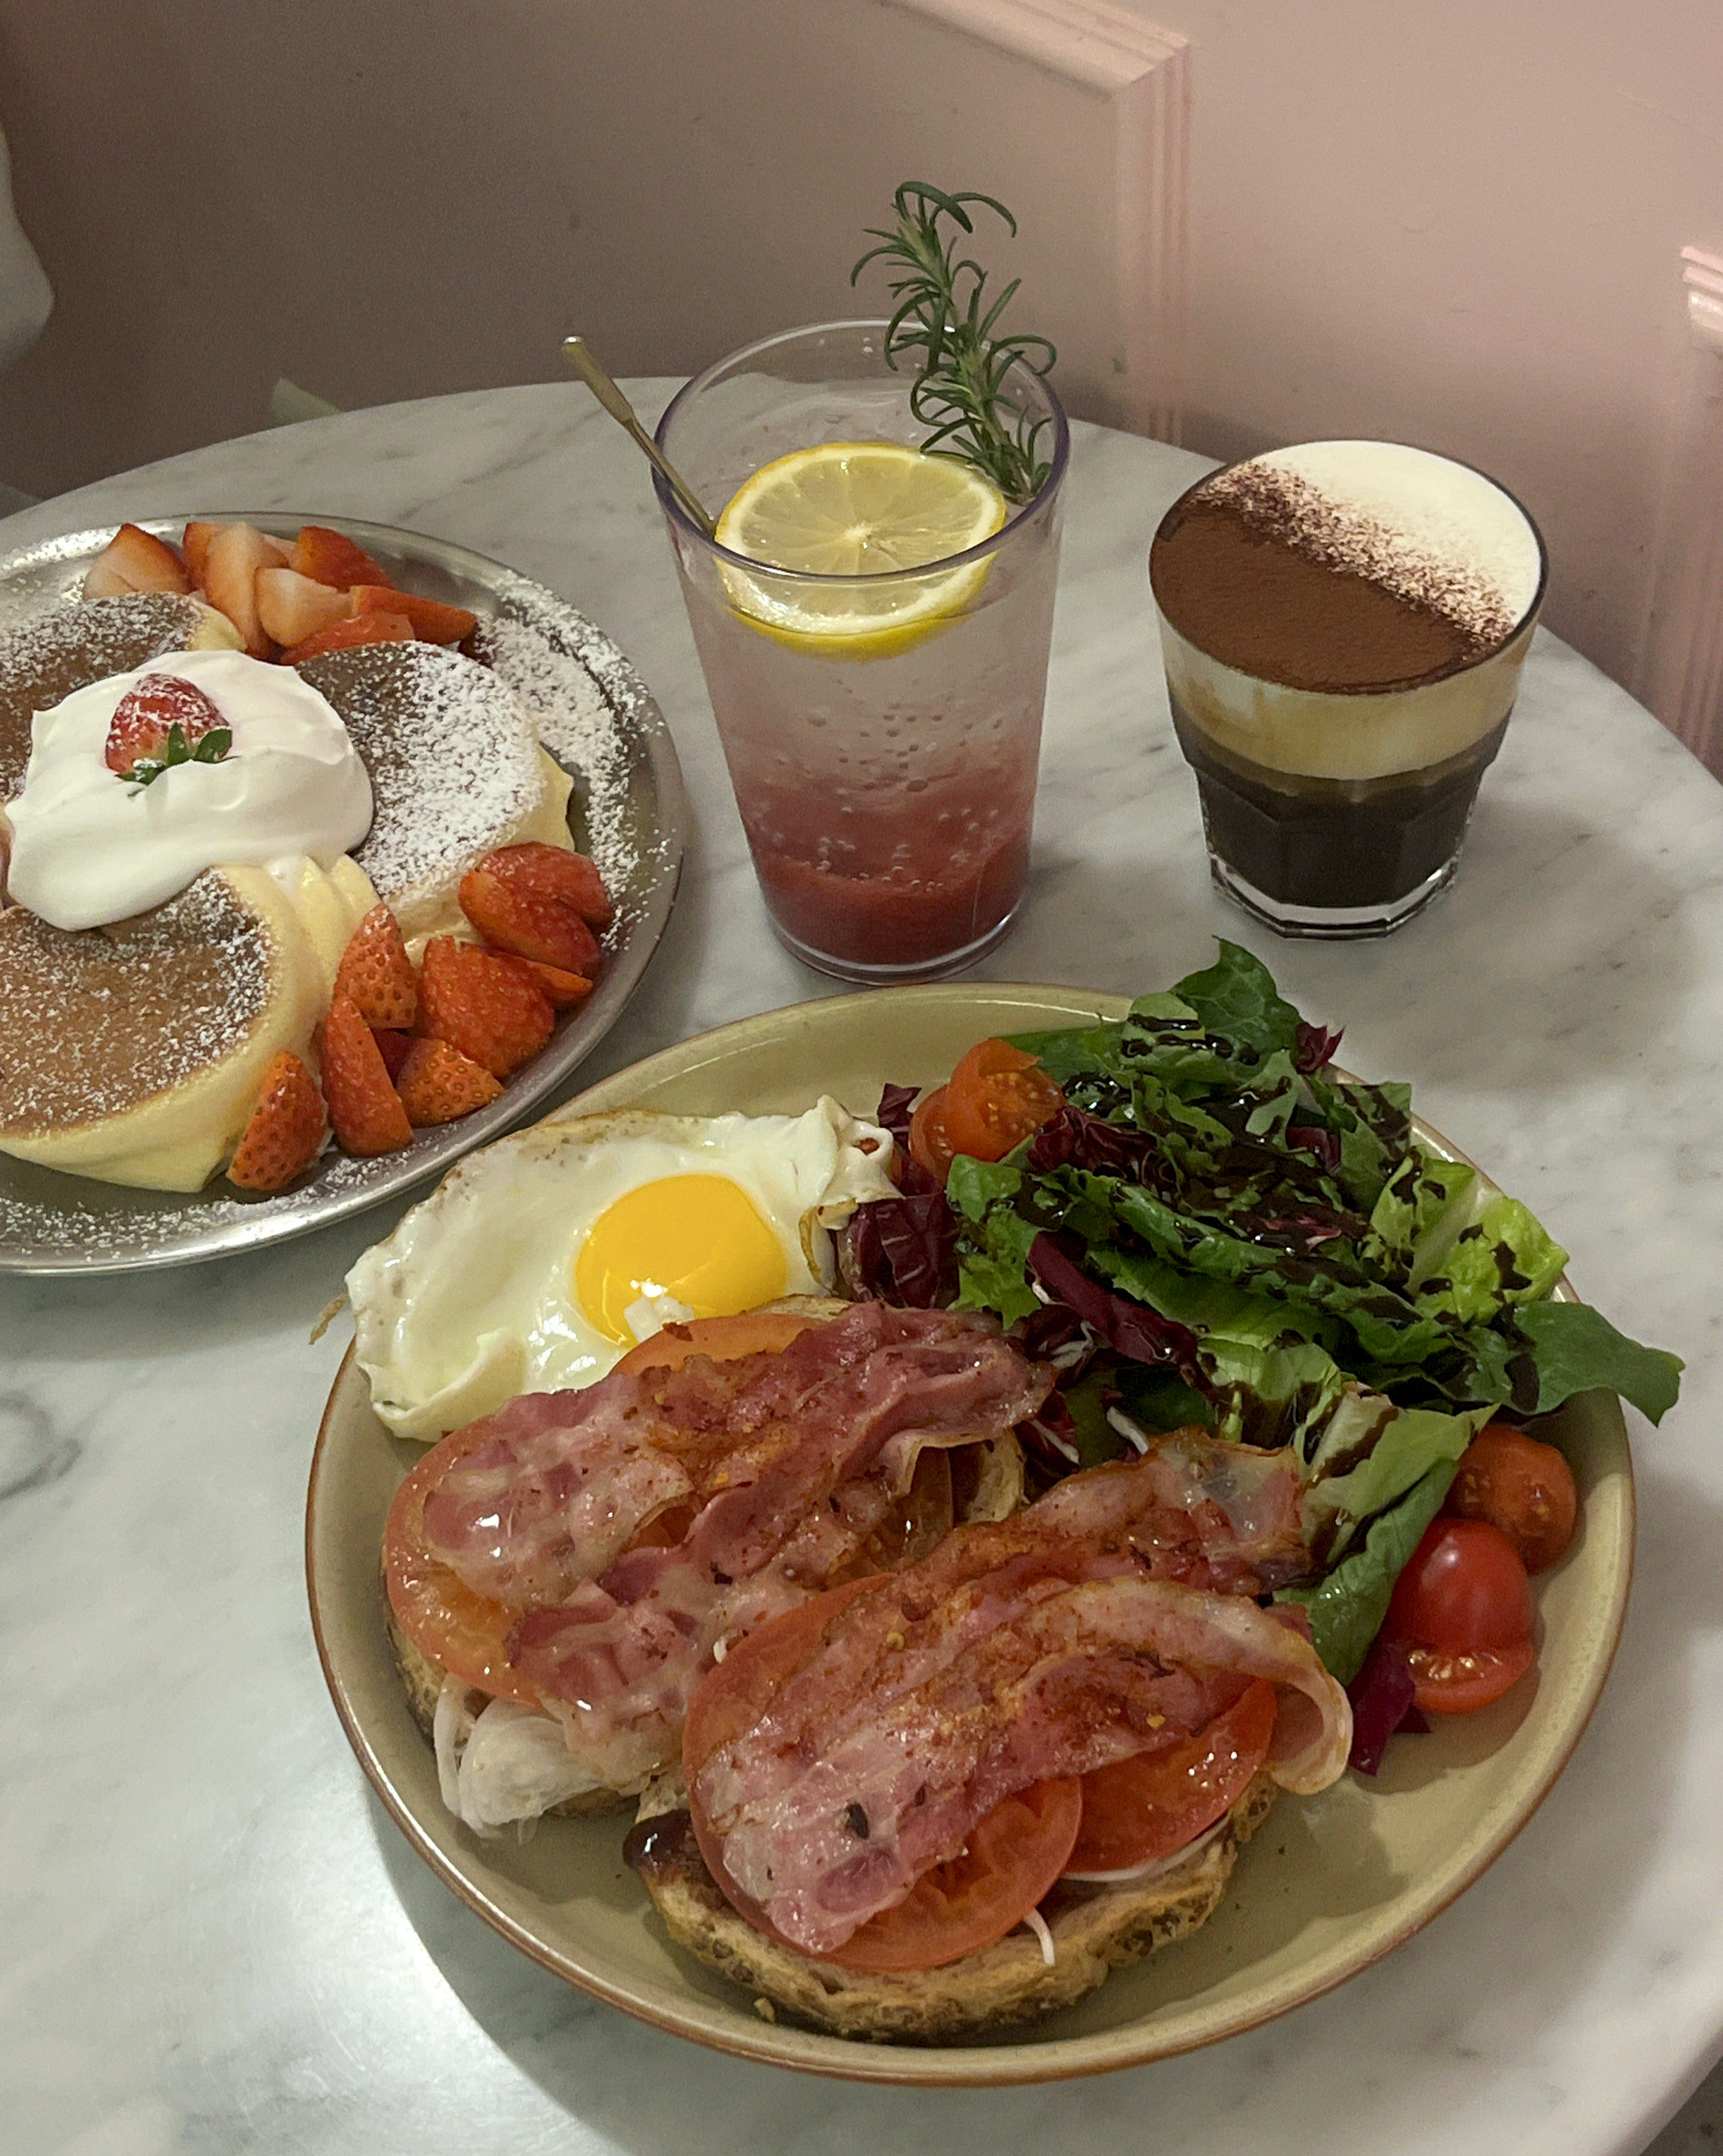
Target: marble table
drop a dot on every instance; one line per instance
(214, 1937)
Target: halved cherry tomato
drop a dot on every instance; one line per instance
(1147, 1807)
(1463, 1606)
(929, 1142)
(1011, 1858)
(1446, 1682)
(1521, 1486)
(997, 1096)
(1463, 1588)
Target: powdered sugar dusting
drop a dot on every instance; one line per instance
(594, 716)
(129, 1012)
(579, 690)
(43, 661)
(454, 761)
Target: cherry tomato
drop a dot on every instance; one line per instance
(1141, 1808)
(1445, 1682)
(1464, 1587)
(997, 1096)
(1521, 1486)
(1464, 1607)
(1009, 1860)
(930, 1142)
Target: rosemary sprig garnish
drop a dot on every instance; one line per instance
(962, 364)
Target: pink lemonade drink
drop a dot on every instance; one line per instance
(882, 731)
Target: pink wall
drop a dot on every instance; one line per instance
(1457, 224)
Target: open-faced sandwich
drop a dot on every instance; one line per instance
(919, 1747)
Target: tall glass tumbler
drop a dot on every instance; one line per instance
(886, 778)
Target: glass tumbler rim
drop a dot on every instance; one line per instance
(686, 525)
(1527, 618)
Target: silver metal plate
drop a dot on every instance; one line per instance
(597, 720)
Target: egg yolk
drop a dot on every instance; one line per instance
(699, 1237)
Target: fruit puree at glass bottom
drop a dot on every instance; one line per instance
(912, 898)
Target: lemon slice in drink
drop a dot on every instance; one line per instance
(864, 510)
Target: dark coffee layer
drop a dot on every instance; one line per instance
(1334, 843)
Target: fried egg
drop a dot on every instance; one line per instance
(542, 1260)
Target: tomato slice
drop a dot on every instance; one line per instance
(997, 1096)
(1521, 1486)
(463, 1633)
(1010, 1860)
(1147, 1807)
(1011, 1857)
(930, 1145)
(750, 1332)
(1449, 1682)
(466, 1634)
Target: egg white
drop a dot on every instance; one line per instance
(472, 1300)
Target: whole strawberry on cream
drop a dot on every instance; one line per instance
(198, 760)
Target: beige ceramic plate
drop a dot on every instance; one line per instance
(1331, 1884)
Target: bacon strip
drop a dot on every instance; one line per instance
(1041, 1684)
(773, 1472)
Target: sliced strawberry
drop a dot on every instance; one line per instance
(563, 989)
(134, 560)
(331, 558)
(285, 1130)
(376, 972)
(394, 1048)
(235, 554)
(363, 628)
(291, 607)
(161, 720)
(437, 1084)
(194, 545)
(528, 922)
(432, 621)
(568, 877)
(364, 1108)
(480, 1004)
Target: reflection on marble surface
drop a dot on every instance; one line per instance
(216, 1939)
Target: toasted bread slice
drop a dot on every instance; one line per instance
(1093, 1930)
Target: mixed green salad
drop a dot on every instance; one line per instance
(1215, 1227)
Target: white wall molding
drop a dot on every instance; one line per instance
(1141, 72)
(1680, 667)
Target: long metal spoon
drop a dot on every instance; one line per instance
(579, 354)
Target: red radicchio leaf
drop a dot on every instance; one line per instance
(1076, 1138)
(1313, 1138)
(1381, 1695)
(1316, 1048)
(1130, 1329)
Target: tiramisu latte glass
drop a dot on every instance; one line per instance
(1343, 625)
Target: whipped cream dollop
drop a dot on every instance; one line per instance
(89, 849)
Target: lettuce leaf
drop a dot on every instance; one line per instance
(1577, 1350)
(1347, 1607)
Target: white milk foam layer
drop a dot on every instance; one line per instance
(1440, 512)
(1442, 509)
